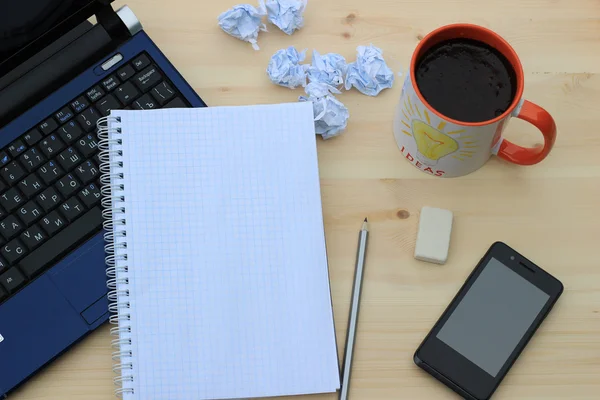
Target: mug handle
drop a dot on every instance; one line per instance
(541, 119)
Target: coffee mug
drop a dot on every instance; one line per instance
(444, 147)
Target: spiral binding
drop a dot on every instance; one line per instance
(115, 237)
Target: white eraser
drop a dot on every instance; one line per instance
(433, 238)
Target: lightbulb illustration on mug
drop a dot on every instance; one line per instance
(431, 143)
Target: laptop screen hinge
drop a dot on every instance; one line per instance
(121, 24)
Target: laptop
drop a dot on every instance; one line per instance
(59, 73)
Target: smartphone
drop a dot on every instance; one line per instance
(489, 322)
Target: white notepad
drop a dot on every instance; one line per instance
(223, 280)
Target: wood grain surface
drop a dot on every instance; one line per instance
(549, 212)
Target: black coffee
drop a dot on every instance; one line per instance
(466, 80)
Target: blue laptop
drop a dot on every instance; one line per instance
(59, 73)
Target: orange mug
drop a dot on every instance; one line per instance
(445, 147)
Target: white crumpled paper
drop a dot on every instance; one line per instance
(285, 70)
(286, 14)
(244, 22)
(369, 73)
(328, 68)
(331, 116)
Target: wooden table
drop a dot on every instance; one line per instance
(549, 212)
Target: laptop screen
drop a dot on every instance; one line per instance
(26, 26)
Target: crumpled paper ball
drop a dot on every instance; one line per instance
(244, 22)
(328, 68)
(369, 73)
(331, 116)
(286, 14)
(285, 70)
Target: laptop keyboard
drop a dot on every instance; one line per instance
(49, 177)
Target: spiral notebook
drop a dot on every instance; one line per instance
(216, 253)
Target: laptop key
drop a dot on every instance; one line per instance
(110, 83)
(79, 104)
(69, 158)
(146, 102)
(33, 236)
(3, 265)
(126, 93)
(163, 92)
(90, 195)
(87, 119)
(4, 158)
(48, 126)
(32, 137)
(29, 212)
(126, 72)
(147, 79)
(32, 159)
(48, 199)
(50, 172)
(64, 241)
(12, 172)
(87, 145)
(30, 185)
(108, 103)
(52, 223)
(63, 115)
(51, 145)
(71, 209)
(17, 147)
(13, 251)
(70, 132)
(95, 93)
(176, 103)
(67, 185)
(10, 227)
(141, 62)
(11, 199)
(87, 172)
(12, 280)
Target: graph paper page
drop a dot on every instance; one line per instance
(229, 283)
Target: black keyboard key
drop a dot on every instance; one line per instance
(30, 185)
(12, 172)
(29, 212)
(110, 83)
(12, 279)
(51, 145)
(32, 137)
(70, 132)
(52, 223)
(87, 119)
(79, 104)
(87, 172)
(108, 103)
(67, 185)
(4, 158)
(3, 213)
(48, 199)
(32, 159)
(48, 126)
(3, 265)
(146, 102)
(87, 145)
(90, 196)
(11, 199)
(176, 103)
(10, 227)
(163, 92)
(63, 115)
(125, 73)
(50, 172)
(67, 239)
(33, 236)
(95, 93)
(141, 62)
(13, 251)
(71, 209)
(126, 93)
(16, 148)
(69, 158)
(147, 79)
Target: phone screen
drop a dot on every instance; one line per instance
(493, 316)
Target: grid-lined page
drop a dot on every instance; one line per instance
(229, 286)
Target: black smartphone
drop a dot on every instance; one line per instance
(488, 323)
